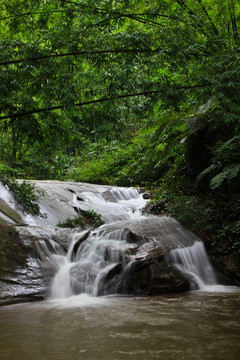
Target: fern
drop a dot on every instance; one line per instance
(228, 173)
(228, 150)
(206, 172)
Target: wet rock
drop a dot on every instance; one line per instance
(20, 273)
(131, 259)
(164, 229)
(82, 237)
(111, 281)
(165, 279)
(156, 279)
(146, 196)
(9, 214)
(149, 253)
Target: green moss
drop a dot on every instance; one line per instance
(88, 218)
(9, 212)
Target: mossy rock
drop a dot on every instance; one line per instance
(10, 213)
(12, 251)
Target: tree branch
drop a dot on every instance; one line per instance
(208, 16)
(77, 53)
(112, 98)
(101, 10)
(37, 13)
(233, 22)
(201, 24)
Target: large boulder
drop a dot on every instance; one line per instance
(132, 258)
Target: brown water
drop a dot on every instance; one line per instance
(190, 326)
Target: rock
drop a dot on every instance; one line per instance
(156, 279)
(8, 214)
(25, 271)
(146, 196)
(168, 231)
(82, 236)
(20, 273)
(131, 259)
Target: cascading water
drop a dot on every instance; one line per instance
(86, 265)
(93, 261)
(130, 254)
(193, 262)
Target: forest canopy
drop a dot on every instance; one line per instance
(77, 71)
(127, 92)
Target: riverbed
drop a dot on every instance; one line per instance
(193, 325)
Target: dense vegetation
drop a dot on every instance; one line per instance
(130, 92)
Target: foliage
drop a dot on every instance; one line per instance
(127, 92)
(88, 218)
(138, 162)
(25, 195)
(214, 217)
(72, 223)
(226, 162)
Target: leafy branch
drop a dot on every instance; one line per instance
(104, 99)
(79, 53)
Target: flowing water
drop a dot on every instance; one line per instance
(195, 325)
(101, 261)
(193, 262)
(88, 263)
(200, 324)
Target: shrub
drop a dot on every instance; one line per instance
(88, 217)
(25, 195)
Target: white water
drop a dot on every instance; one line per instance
(124, 203)
(88, 271)
(6, 195)
(86, 265)
(193, 261)
(84, 271)
(102, 251)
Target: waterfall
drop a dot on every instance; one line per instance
(91, 265)
(95, 259)
(131, 253)
(194, 262)
(87, 264)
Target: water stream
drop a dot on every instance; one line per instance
(190, 326)
(123, 256)
(75, 323)
(93, 257)
(193, 261)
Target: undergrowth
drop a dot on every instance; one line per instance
(25, 195)
(213, 217)
(88, 218)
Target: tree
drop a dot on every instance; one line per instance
(74, 66)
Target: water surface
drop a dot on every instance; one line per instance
(194, 325)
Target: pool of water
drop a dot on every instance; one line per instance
(196, 325)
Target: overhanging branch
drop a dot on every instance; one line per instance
(79, 53)
(110, 98)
